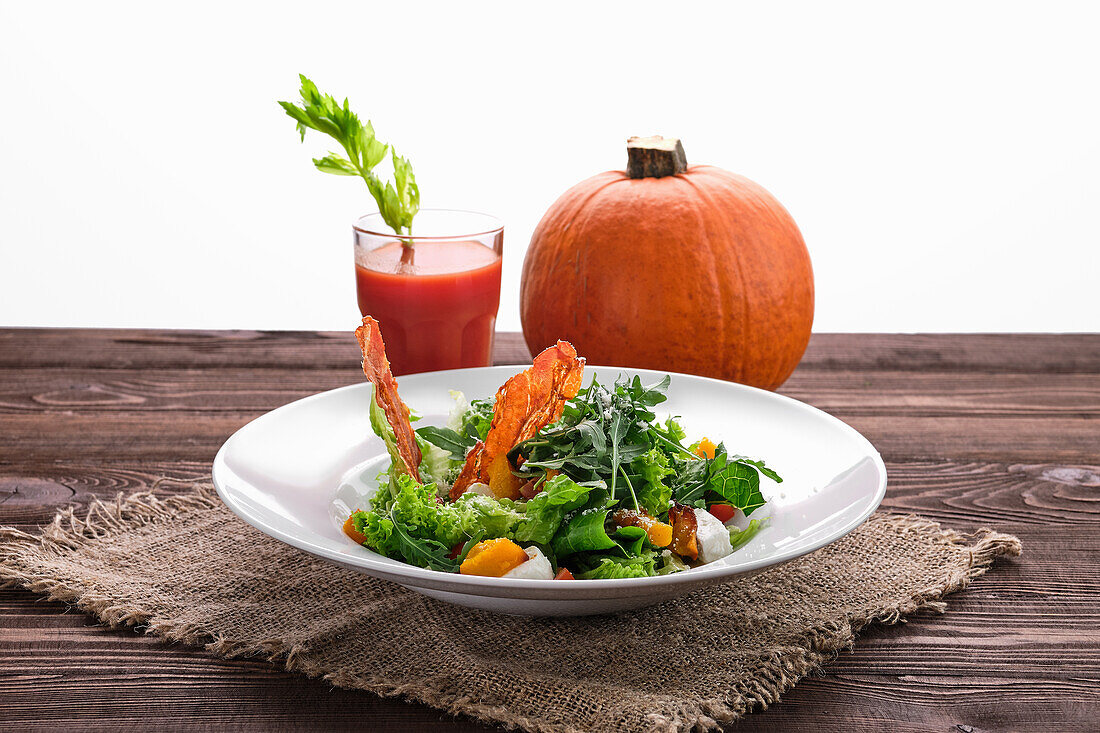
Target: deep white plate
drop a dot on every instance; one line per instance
(298, 471)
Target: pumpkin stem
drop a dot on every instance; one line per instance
(654, 157)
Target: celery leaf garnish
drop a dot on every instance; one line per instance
(398, 201)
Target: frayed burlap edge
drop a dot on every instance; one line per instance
(771, 676)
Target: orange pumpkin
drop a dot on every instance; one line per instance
(665, 266)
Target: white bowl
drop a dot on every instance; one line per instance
(298, 471)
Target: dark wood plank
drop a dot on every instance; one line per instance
(196, 435)
(932, 393)
(1029, 353)
(143, 349)
(849, 394)
(187, 414)
(138, 349)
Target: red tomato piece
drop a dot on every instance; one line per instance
(564, 574)
(722, 512)
(456, 551)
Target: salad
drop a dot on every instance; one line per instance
(552, 480)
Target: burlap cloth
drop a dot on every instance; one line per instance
(186, 569)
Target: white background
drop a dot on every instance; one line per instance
(941, 159)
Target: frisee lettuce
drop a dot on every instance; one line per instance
(739, 537)
(437, 465)
(411, 524)
(607, 566)
(654, 494)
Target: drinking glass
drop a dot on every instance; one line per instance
(435, 292)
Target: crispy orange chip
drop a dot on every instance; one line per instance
(526, 404)
(377, 368)
(685, 529)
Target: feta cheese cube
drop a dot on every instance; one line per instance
(479, 488)
(712, 536)
(537, 566)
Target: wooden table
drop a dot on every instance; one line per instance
(999, 430)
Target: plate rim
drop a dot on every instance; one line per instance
(472, 583)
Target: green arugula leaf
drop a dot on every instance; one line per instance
(583, 533)
(446, 439)
(759, 467)
(600, 432)
(467, 546)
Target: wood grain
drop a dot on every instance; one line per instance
(996, 430)
(143, 349)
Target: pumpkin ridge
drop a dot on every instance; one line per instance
(582, 228)
(584, 205)
(706, 198)
(554, 268)
(763, 201)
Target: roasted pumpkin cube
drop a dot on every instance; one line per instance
(705, 449)
(493, 558)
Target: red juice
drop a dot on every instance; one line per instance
(438, 312)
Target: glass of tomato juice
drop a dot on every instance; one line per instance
(434, 292)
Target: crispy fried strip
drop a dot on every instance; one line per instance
(525, 404)
(471, 468)
(377, 368)
(684, 530)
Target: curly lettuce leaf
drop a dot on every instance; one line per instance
(382, 428)
(410, 524)
(671, 563)
(422, 551)
(740, 537)
(404, 526)
(477, 514)
(609, 566)
(654, 494)
(475, 423)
